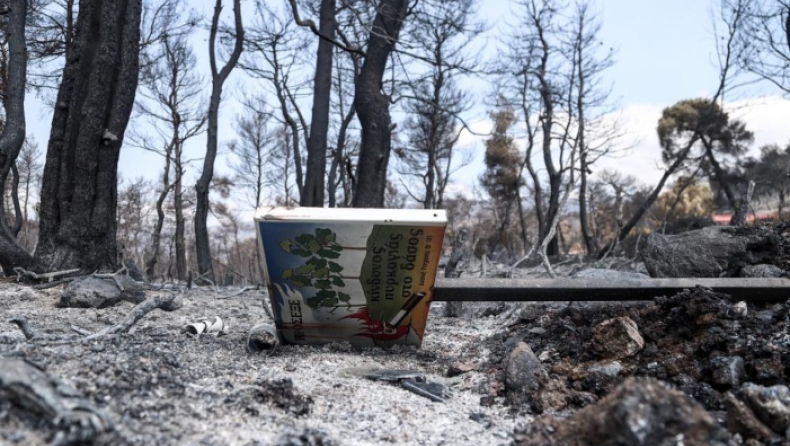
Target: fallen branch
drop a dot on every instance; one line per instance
(241, 291)
(53, 284)
(21, 322)
(113, 276)
(81, 331)
(49, 277)
(170, 302)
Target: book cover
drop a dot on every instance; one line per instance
(365, 276)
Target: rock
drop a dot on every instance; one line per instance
(770, 404)
(741, 420)
(639, 412)
(602, 376)
(459, 368)
(606, 369)
(609, 274)
(304, 436)
(710, 252)
(93, 292)
(761, 271)
(617, 338)
(727, 371)
(133, 271)
(524, 372)
(740, 309)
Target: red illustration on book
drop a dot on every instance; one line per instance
(380, 330)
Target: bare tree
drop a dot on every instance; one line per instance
(313, 191)
(444, 31)
(596, 134)
(762, 44)
(218, 78)
(95, 99)
(372, 105)
(255, 149)
(273, 56)
(12, 136)
(172, 103)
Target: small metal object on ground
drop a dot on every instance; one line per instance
(262, 339)
(411, 380)
(537, 290)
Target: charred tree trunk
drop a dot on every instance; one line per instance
(648, 203)
(218, 77)
(313, 193)
(13, 135)
(178, 205)
(95, 99)
(372, 106)
(15, 200)
(156, 236)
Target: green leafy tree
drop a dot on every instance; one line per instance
(702, 133)
(318, 270)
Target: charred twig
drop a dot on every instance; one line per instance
(241, 291)
(21, 322)
(113, 276)
(81, 331)
(170, 302)
(53, 284)
(49, 277)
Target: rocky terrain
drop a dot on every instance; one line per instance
(695, 368)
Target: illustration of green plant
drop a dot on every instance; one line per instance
(318, 270)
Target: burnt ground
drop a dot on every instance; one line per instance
(164, 387)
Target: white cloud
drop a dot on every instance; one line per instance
(767, 117)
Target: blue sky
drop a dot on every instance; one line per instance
(664, 53)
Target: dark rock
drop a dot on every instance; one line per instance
(727, 371)
(609, 274)
(710, 252)
(93, 292)
(770, 404)
(762, 271)
(602, 377)
(280, 393)
(293, 436)
(741, 420)
(133, 271)
(639, 412)
(767, 370)
(616, 338)
(524, 372)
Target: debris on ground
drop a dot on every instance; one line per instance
(31, 391)
(203, 325)
(412, 380)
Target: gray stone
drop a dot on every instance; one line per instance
(93, 292)
(617, 338)
(638, 412)
(606, 369)
(762, 271)
(609, 274)
(770, 404)
(524, 372)
(727, 370)
(707, 252)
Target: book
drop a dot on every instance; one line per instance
(365, 276)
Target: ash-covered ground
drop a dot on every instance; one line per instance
(708, 370)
